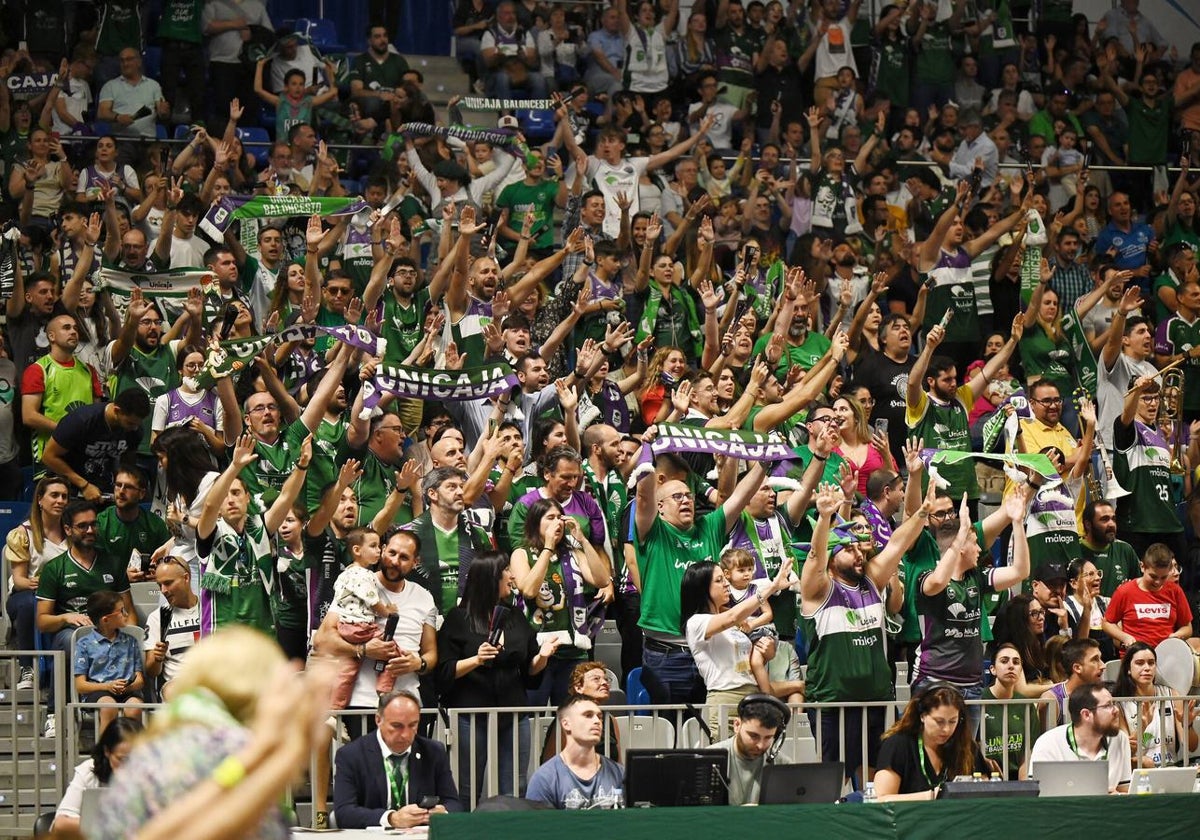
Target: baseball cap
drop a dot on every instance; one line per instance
(1046, 572)
(507, 121)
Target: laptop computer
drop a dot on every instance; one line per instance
(801, 784)
(1166, 779)
(1071, 778)
(89, 809)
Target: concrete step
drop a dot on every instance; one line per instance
(28, 770)
(21, 721)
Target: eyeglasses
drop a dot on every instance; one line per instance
(678, 498)
(1037, 613)
(90, 525)
(943, 516)
(337, 291)
(1048, 401)
(398, 429)
(260, 409)
(824, 418)
(1150, 398)
(1111, 704)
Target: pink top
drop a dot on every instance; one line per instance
(874, 461)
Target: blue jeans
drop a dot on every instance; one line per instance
(61, 641)
(473, 729)
(970, 692)
(671, 677)
(22, 609)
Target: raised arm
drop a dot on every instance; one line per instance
(681, 148)
(243, 456)
(290, 490)
(980, 380)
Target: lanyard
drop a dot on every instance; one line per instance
(1075, 746)
(940, 777)
(398, 787)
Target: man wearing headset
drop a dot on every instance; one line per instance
(758, 731)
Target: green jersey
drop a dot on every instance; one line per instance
(935, 56)
(847, 648)
(1117, 561)
(379, 75)
(120, 539)
(735, 55)
(68, 583)
(120, 26)
(64, 387)
(1142, 465)
(328, 454)
(265, 477)
(549, 611)
(663, 556)
(520, 198)
(373, 488)
(921, 558)
(236, 570)
(1043, 356)
(1176, 335)
(180, 21)
(153, 372)
(1149, 129)
(1023, 728)
(403, 325)
(944, 426)
(806, 354)
(448, 561)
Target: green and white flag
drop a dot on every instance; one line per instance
(1085, 359)
(231, 207)
(169, 289)
(748, 446)
(1035, 461)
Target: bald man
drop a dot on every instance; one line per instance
(669, 539)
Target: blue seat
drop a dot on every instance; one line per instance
(636, 693)
(351, 186)
(253, 134)
(160, 131)
(101, 128)
(152, 63)
(536, 123)
(322, 33)
(182, 132)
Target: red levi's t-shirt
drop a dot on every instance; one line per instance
(1149, 617)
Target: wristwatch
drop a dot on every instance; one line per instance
(424, 665)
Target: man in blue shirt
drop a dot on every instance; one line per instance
(608, 55)
(1128, 241)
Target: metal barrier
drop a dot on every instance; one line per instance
(32, 769)
(496, 750)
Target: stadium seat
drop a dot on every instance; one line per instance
(639, 733)
(635, 692)
(322, 33)
(256, 135)
(536, 123)
(182, 132)
(152, 63)
(160, 131)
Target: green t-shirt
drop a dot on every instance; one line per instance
(69, 585)
(402, 326)
(806, 354)
(540, 198)
(180, 21)
(120, 26)
(1017, 746)
(328, 455)
(1175, 336)
(935, 57)
(379, 75)
(735, 55)
(1143, 468)
(447, 552)
(946, 427)
(923, 557)
(119, 539)
(1118, 561)
(1044, 357)
(154, 373)
(1149, 128)
(893, 65)
(265, 477)
(664, 556)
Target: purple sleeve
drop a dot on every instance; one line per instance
(1162, 344)
(596, 521)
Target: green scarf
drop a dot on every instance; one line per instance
(650, 318)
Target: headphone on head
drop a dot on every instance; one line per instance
(778, 705)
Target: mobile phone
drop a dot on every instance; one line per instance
(429, 802)
(491, 427)
(945, 322)
(22, 46)
(881, 426)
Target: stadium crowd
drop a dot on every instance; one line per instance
(394, 370)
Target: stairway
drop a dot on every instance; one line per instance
(443, 79)
(32, 776)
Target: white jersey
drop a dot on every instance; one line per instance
(611, 180)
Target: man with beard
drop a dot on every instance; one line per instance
(141, 359)
(1081, 660)
(801, 346)
(945, 261)
(1115, 559)
(886, 374)
(755, 728)
(125, 529)
(386, 479)
(933, 542)
(67, 581)
(1142, 465)
(842, 617)
(375, 74)
(939, 415)
(56, 383)
(277, 447)
(1094, 734)
(448, 541)
(950, 605)
(669, 538)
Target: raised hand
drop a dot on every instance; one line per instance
(912, 455)
(829, 498)
(243, 452)
(681, 399)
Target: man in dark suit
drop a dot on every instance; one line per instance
(387, 777)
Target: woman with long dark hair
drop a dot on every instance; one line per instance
(488, 657)
(111, 749)
(557, 571)
(1159, 727)
(714, 632)
(930, 744)
(1022, 622)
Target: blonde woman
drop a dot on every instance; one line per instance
(27, 549)
(861, 446)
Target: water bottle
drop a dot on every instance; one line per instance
(1143, 785)
(869, 797)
